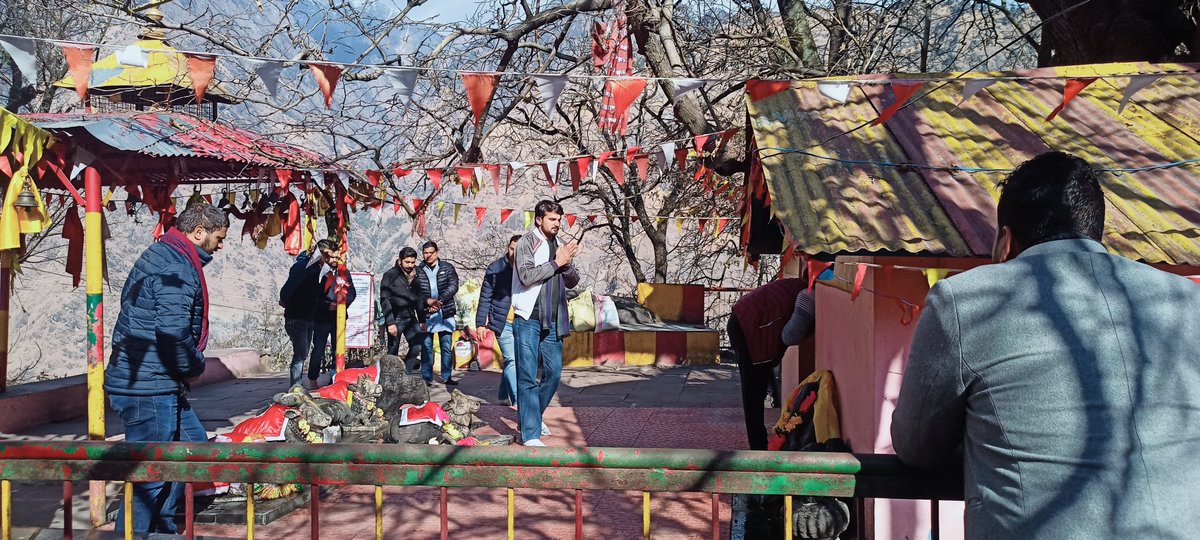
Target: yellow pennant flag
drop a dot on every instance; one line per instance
(528, 218)
(457, 207)
(934, 275)
(679, 226)
(441, 205)
(254, 196)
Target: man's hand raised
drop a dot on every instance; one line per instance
(567, 253)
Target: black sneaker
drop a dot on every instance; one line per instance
(450, 382)
(428, 383)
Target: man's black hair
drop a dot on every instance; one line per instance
(547, 207)
(1054, 196)
(514, 238)
(406, 252)
(326, 243)
(429, 244)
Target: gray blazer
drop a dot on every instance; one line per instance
(1070, 378)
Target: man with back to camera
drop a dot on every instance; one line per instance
(298, 297)
(1067, 376)
(438, 283)
(543, 273)
(403, 309)
(158, 344)
(495, 314)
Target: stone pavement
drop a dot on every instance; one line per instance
(648, 407)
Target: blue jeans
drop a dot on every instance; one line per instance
(536, 347)
(156, 419)
(300, 331)
(323, 333)
(447, 356)
(508, 373)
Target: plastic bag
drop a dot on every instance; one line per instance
(467, 302)
(607, 317)
(582, 312)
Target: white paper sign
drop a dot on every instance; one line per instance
(360, 315)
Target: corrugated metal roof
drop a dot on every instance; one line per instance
(833, 203)
(173, 134)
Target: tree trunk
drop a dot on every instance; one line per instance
(795, 23)
(1116, 31)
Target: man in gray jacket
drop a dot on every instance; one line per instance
(1068, 377)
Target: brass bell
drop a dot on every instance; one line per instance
(25, 199)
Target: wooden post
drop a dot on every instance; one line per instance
(94, 250)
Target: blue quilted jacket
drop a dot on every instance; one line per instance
(154, 344)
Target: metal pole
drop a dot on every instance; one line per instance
(94, 250)
(5, 291)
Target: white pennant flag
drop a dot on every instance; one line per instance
(133, 56)
(666, 157)
(404, 81)
(268, 71)
(550, 87)
(344, 179)
(318, 178)
(974, 86)
(1137, 83)
(552, 166)
(83, 158)
(686, 86)
(837, 91)
(24, 54)
(517, 165)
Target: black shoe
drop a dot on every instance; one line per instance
(450, 382)
(428, 383)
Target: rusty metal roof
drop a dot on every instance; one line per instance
(203, 150)
(833, 196)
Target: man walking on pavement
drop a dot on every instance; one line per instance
(298, 297)
(543, 273)
(495, 315)
(325, 316)
(438, 283)
(403, 309)
(158, 344)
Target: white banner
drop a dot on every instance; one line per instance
(359, 315)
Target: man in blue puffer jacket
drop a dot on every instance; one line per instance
(157, 345)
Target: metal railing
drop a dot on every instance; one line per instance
(513, 467)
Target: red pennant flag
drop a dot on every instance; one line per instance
(200, 70)
(592, 218)
(480, 87)
(466, 175)
(815, 268)
(721, 224)
(435, 176)
(504, 213)
(374, 177)
(681, 158)
(759, 90)
(79, 63)
(725, 136)
(1072, 89)
(633, 219)
(701, 141)
(624, 92)
(208, 198)
(418, 205)
(479, 213)
(284, 176)
(901, 91)
(494, 171)
(703, 224)
(631, 153)
(643, 165)
(550, 175)
(578, 169)
(327, 76)
(617, 167)
(400, 172)
(571, 220)
(395, 204)
(859, 275)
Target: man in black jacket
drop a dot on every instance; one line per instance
(495, 315)
(403, 309)
(298, 298)
(325, 314)
(438, 283)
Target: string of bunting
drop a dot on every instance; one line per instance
(911, 310)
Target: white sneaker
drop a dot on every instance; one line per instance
(534, 442)
(545, 430)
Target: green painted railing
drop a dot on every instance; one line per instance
(513, 467)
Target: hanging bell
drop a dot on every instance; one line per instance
(25, 199)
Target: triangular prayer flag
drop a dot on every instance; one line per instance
(79, 63)
(400, 172)
(701, 141)
(837, 91)
(591, 218)
(480, 87)
(1137, 83)
(23, 52)
(133, 56)
(759, 90)
(666, 156)
(681, 155)
(457, 207)
(974, 86)
(934, 275)
(815, 269)
(327, 76)
(374, 177)
(579, 167)
(504, 213)
(441, 207)
(571, 220)
(528, 218)
(200, 69)
(703, 224)
(268, 71)
(860, 275)
(643, 165)
(901, 91)
(683, 87)
(418, 205)
(624, 91)
(630, 152)
(284, 177)
(435, 177)
(403, 81)
(550, 87)
(616, 166)
(721, 224)
(1072, 89)
(395, 204)
(725, 137)
(679, 226)
(550, 168)
(479, 213)
(466, 175)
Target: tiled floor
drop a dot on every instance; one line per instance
(647, 407)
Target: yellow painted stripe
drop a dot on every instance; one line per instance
(646, 515)
(128, 510)
(511, 514)
(378, 512)
(249, 511)
(787, 517)
(6, 509)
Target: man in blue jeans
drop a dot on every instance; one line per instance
(543, 273)
(494, 314)
(298, 298)
(437, 281)
(325, 315)
(158, 344)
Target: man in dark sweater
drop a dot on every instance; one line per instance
(298, 298)
(495, 315)
(325, 313)
(403, 310)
